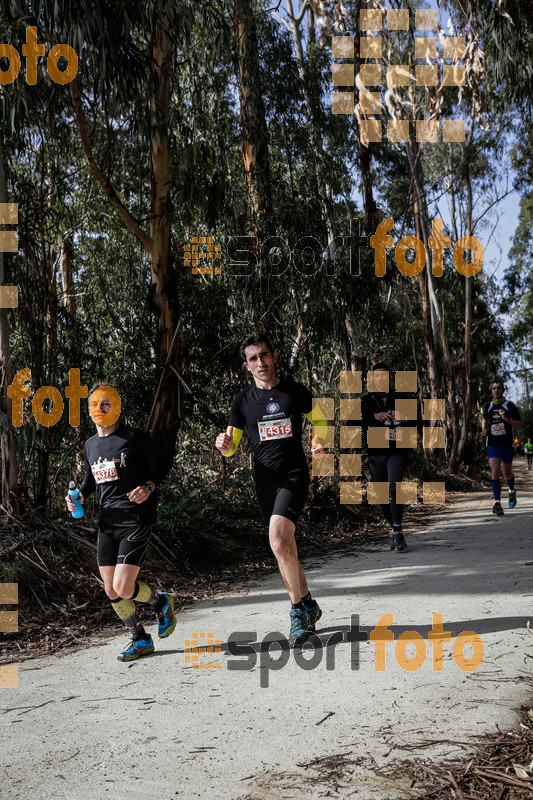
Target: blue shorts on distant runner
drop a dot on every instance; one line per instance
(505, 454)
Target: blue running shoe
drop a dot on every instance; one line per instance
(166, 621)
(512, 498)
(137, 648)
(314, 613)
(300, 627)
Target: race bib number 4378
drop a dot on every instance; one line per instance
(277, 429)
(104, 471)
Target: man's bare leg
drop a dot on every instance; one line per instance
(507, 471)
(119, 584)
(495, 468)
(283, 543)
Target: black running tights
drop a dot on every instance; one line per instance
(389, 467)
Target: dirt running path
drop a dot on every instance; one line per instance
(84, 727)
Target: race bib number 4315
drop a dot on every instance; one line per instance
(277, 429)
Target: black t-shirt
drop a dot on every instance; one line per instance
(500, 432)
(273, 418)
(376, 402)
(116, 464)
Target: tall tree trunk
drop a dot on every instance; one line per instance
(8, 453)
(422, 231)
(293, 25)
(311, 19)
(67, 283)
(422, 281)
(352, 332)
(302, 338)
(164, 419)
(369, 204)
(254, 128)
(467, 398)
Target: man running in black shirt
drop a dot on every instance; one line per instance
(271, 410)
(125, 466)
(499, 419)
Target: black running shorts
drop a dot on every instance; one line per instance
(122, 545)
(282, 494)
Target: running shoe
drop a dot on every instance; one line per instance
(398, 539)
(166, 621)
(137, 648)
(314, 613)
(512, 498)
(497, 509)
(300, 627)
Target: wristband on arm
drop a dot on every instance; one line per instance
(237, 436)
(318, 421)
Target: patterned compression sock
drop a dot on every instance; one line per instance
(143, 594)
(496, 490)
(125, 609)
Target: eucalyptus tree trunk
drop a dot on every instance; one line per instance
(67, 282)
(467, 397)
(422, 231)
(164, 419)
(293, 24)
(369, 204)
(422, 278)
(254, 128)
(8, 453)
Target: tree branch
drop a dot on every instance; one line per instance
(302, 11)
(278, 16)
(104, 182)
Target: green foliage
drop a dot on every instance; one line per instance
(200, 491)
